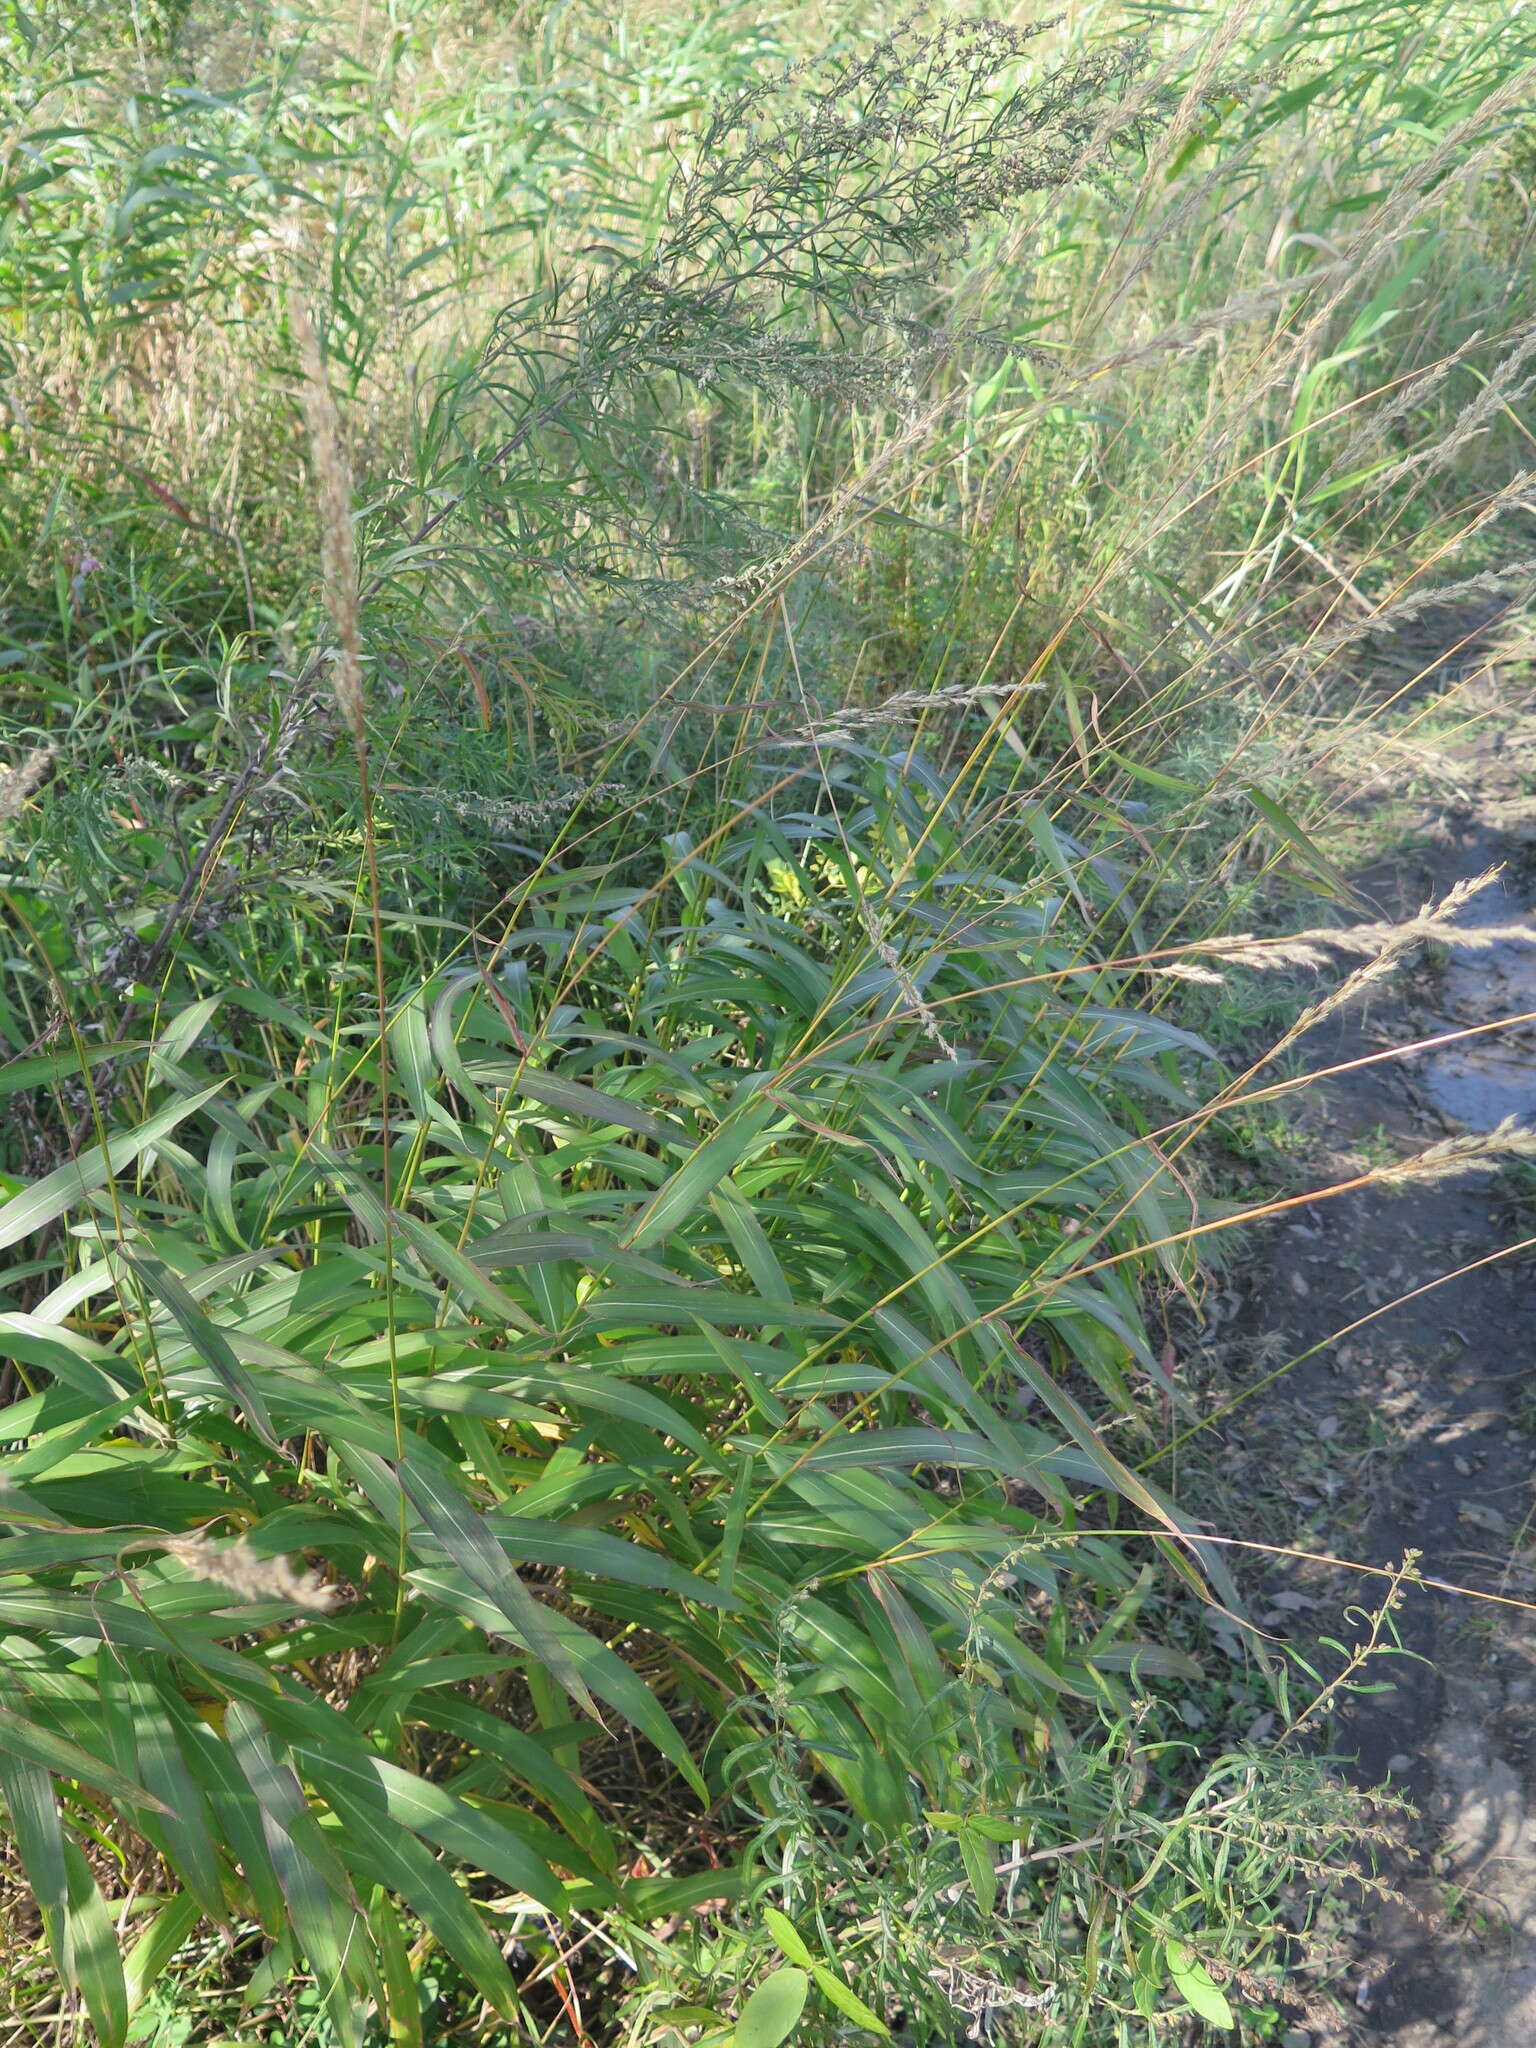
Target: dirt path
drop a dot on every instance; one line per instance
(1412, 1426)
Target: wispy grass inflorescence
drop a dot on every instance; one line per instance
(333, 489)
(21, 783)
(1185, 337)
(1504, 390)
(1382, 944)
(1466, 1152)
(251, 1578)
(907, 705)
(911, 994)
(1517, 495)
(531, 814)
(1515, 581)
(1371, 433)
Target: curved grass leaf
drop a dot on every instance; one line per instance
(24, 1738)
(46, 1200)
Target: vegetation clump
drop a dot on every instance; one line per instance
(659, 703)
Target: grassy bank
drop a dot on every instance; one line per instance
(640, 679)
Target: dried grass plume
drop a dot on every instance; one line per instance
(22, 782)
(333, 491)
(238, 1569)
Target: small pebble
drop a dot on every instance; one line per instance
(1295, 2037)
(1399, 1763)
(1462, 1467)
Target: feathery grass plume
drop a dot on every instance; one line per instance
(1501, 393)
(1185, 337)
(905, 706)
(1517, 581)
(1186, 209)
(1435, 923)
(1186, 970)
(237, 1568)
(1316, 949)
(531, 814)
(1467, 1152)
(1374, 429)
(1518, 495)
(333, 491)
(1207, 82)
(23, 781)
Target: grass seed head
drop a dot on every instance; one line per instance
(238, 1569)
(19, 784)
(333, 491)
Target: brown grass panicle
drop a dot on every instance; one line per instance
(333, 489)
